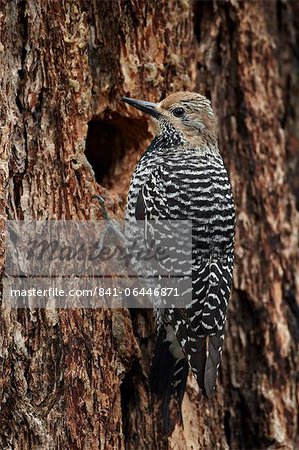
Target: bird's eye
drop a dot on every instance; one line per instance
(178, 112)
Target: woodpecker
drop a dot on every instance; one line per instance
(181, 176)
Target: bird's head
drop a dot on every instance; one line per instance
(187, 115)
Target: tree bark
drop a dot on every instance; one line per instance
(77, 379)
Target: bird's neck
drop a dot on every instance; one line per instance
(169, 138)
(176, 143)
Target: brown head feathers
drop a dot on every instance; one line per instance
(191, 114)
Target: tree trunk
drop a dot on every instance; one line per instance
(77, 379)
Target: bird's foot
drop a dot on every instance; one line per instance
(111, 224)
(103, 206)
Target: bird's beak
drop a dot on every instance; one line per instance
(146, 107)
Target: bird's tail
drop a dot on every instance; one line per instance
(168, 379)
(206, 360)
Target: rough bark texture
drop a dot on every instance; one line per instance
(76, 379)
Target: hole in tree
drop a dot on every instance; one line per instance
(107, 142)
(103, 147)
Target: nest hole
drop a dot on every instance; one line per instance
(108, 141)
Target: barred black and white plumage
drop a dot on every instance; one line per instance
(182, 176)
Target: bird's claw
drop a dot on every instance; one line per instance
(103, 206)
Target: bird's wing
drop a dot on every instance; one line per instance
(151, 201)
(211, 289)
(155, 207)
(199, 327)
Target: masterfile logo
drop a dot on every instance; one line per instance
(97, 264)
